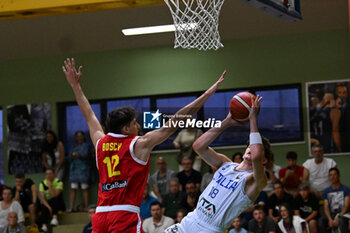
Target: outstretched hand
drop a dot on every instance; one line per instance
(215, 86)
(255, 108)
(73, 76)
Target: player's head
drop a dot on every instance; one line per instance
(267, 150)
(123, 121)
(259, 214)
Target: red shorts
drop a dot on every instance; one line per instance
(116, 222)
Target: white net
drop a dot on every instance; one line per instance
(196, 23)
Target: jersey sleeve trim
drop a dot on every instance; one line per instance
(96, 149)
(131, 148)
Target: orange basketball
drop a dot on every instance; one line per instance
(240, 105)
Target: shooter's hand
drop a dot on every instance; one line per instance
(255, 108)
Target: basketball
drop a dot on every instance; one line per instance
(240, 105)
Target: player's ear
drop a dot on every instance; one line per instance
(125, 130)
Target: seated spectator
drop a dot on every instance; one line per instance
(91, 211)
(207, 178)
(158, 222)
(247, 215)
(307, 207)
(336, 204)
(53, 154)
(190, 200)
(79, 169)
(180, 214)
(12, 225)
(237, 226)
(237, 157)
(172, 201)
(7, 205)
(189, 173)
(290, 223)
(317, 170)
(292, 175)
(280, 196)
(147, 200)
(271, 171)
(26, 194)
(2, 186)
(261, 223)
(159, 181)
(52, 199)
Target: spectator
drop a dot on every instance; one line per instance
(261, 223)
(307, 207)
(207, 178)
(52, 199)
(189, 202)
(336, 204)
(159, 181)
(26, 194)
(237, 226)
(290, 223)
(271, 170)
(292, 175)
(147, 200)
(158, 222)
(172, 201)
(180, 214)
(189, 173)
(2, 186)
(184, 141)
(53, 154)
(7, 205)
(12, 224)
(237, 157)
(247, 215)
(280, 196)
(79, 170)
(317, 170)
(91, 211)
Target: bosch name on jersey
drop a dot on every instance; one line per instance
(114, 185)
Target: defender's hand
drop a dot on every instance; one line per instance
(215, 86)
(73, 76)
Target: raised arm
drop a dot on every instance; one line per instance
(146, 143)
(73, 78)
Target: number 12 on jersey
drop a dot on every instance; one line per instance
(112, 163)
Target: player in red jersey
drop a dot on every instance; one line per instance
(122, 157)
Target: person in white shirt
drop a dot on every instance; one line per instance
(8, 205)
(317, 170)
(158, 222)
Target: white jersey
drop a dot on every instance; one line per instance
(220, 203)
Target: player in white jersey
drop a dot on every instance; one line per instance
(234, 187)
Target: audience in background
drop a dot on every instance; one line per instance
(91, 211)
(188, 174)
(147, 200)
(51, 197)
(317, 170)
(336, 204)
(158, 222)
(207, 178)
(247, 215)
(292, 175)
(26, 194)
(53, 154)
(276, 199)
(184, 141)
(12, 225)
(236, 226)
(79, 169)
(189, 202)
(307, 207)
(180, 214)
(7, 205)
(159, 181)
(172, 201)
(290, 223)
(271, 170)
(237, 157)
(261, 223)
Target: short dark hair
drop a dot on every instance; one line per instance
(291, 155)
(119, 118)
(155, 203)
(279, 183)
(237, 153)
(19, 176)
(258, 207)
(317, 145)
(334, 169)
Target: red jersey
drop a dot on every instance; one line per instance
(290, 182)
(122, 176)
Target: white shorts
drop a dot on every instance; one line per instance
(83, 186)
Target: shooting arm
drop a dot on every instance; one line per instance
(73, 78)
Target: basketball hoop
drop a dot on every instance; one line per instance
(196, 23)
